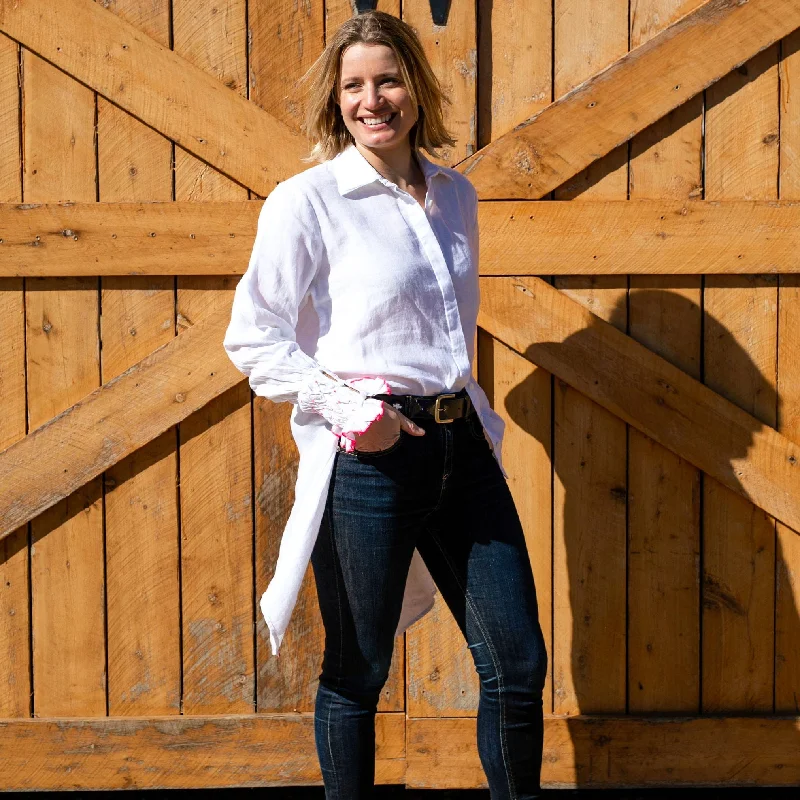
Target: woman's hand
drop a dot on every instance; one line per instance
(384, 432)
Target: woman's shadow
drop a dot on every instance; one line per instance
(670, 607)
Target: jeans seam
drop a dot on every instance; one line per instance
(495, 662)
(341, 650)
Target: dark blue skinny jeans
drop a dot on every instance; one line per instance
(444, 494)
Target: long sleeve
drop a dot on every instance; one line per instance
(261, 336)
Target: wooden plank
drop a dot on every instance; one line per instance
(111, 422)
(156, 238)
(141, 518)
(589, 443)
(62, 351)
(514, 82)
(664, 490)
(787, 556)
(15, 690)
(611, 752)
(440, 670)
(285, 40)
(337, 11)
(645, 391)
(740, 347)
(628, 96)
(452, 52)
(216, 521)
(165, 91)
(212, 752)
(597, 237)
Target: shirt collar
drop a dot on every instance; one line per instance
(352, 170)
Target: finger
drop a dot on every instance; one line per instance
(407, 425)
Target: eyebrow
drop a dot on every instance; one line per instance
(379, 75)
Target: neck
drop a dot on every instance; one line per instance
(397, 165)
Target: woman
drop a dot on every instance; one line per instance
(359, 306)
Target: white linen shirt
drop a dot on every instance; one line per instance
(350, 274)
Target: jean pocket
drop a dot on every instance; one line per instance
(475, 427)
(366, 454)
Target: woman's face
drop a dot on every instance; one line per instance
(372, 89)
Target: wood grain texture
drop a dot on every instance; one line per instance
(740, 350)
(452, 51)
(631, 93)
(664, 490)
(63, 352)
(787, 556)
(141, 518)
(338, 11)
(440, 670)
(158, 238)
(215, 237)
(589, 443)
(15, 689)
(156, 393)
(608, 752)
(184, 752)
(216, 521)
(169, 93)
(645, 391)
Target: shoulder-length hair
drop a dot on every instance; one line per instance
(323, 117)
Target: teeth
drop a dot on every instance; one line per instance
(376, 120)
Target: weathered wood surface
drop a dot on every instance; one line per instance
(607, 752)
(183, 752)
(156, 85)
(740, 363)
(665, 314)
(641, 388)
(72, 448)
(157, 238)
(634, 91)
(597, 237)
(589, 443)
(141, 518)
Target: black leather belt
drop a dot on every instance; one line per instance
(441, 407)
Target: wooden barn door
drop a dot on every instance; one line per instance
(637, 334)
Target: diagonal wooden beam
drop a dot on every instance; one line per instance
(620, 101)
(159, 87)
(663, 402)
(543, 324)
(110, 423)
(664, 237)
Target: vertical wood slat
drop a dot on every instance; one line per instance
(740, 363)
(441, 675)
(590, 489)
(137, 316)
(787, 577)
(664, 490)
(515, 83)
(14, 618)
(67, 581)
(285, 39)
(215, 442)
(338, 11)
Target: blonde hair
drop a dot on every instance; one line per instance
(323, 117)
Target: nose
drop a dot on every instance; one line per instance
(372, 96)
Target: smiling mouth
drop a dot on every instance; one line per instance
(371, 122)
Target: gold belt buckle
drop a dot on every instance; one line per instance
(437, 409)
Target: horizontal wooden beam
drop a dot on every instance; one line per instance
(278, 750)
(642, 237)
(664, 237)
(621, 752)
(663, 402)
(159, 87)
(121, 416)
(178, 752)
(160, 238)
(635, 91)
